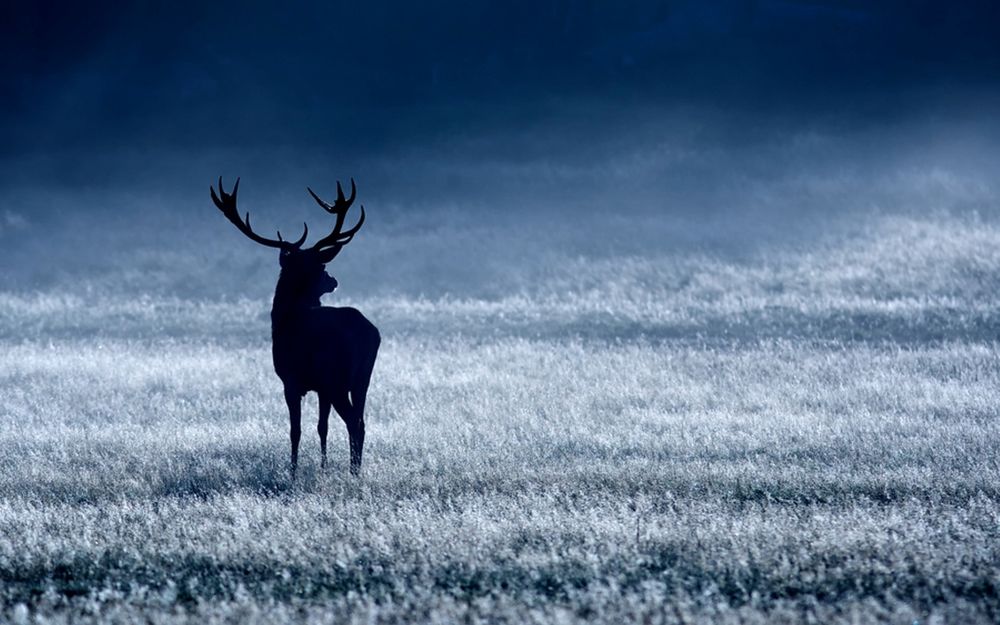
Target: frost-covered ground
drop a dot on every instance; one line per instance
(613, 418)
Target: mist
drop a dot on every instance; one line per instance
(488, 142)
(491, 215)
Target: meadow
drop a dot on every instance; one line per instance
(624, 418)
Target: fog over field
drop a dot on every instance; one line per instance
(689, 314)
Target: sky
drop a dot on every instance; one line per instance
(382, 76)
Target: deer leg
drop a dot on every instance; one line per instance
(348, 412)
(322, 426)
(356, 427)
(294, 401)
(356, 430)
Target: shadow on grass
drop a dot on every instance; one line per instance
(208, 472)
(97, 473)
(685, 568)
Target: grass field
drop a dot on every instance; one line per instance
(807, 435)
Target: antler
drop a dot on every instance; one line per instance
(333, 242)
(228, 207)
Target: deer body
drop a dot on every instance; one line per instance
(324, 350)
(329, 351)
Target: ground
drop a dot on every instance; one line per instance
(808, 435)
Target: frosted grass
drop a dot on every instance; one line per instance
(796, 434)
(687, 483)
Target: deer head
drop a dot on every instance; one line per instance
(302, 269)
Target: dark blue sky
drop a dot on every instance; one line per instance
(377, 76)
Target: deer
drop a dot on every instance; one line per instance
(327, 350)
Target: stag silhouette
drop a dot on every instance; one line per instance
(316, 348)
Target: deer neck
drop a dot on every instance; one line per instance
(288, 306)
